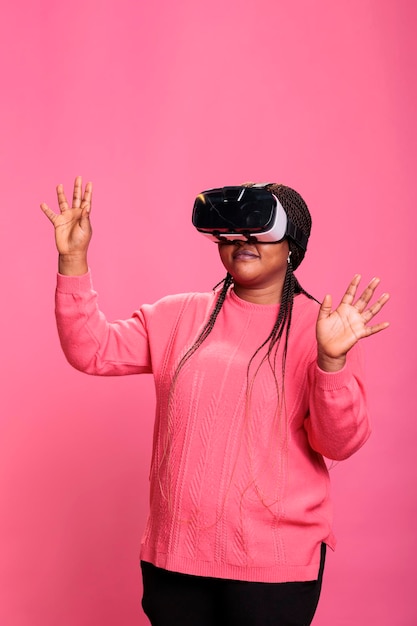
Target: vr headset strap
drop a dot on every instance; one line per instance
(297, 235)
(292, 230)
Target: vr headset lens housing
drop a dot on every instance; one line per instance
(239, 213)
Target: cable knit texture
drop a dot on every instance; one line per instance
(238, 485)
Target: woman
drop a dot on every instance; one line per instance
(256, 383)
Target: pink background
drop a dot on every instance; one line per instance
(155, 101)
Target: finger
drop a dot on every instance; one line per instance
(62, 200)
(350, 292)
(366, 296)
(87, 198)
(326, 307)
(77, 193)
(372, 330)
(376, 307)
(48, 212)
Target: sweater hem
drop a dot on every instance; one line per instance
(268, 574)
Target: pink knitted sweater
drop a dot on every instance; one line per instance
(238, 485)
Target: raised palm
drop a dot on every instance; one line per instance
(338, 330)
(72, 225)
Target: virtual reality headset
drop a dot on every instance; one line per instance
(244, 213)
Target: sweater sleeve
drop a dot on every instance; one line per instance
(338, 421)
(92, 344)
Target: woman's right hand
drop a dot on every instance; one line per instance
(72, 228)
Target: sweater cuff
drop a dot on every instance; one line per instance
(74, 284)
(332, 381)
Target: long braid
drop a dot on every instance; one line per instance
(282, 324)
(291, 287)
(297, 211)
(208, 327)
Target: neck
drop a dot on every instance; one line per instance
(263, 295)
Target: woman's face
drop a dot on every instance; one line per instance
(257, 268)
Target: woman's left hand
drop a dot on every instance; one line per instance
(337, 331)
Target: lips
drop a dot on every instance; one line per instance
(244, 253)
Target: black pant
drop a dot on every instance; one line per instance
(172, 599)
